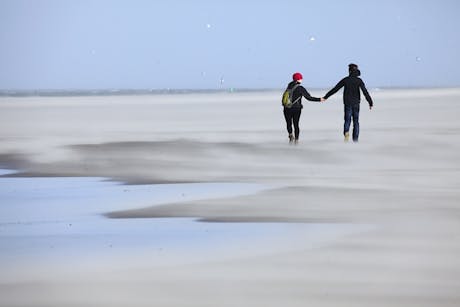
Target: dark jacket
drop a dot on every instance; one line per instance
(298, 93)
(351, 93)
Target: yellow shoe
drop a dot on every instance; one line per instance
(347, 136)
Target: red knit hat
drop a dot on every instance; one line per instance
(297, 76)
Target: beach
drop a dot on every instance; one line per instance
(198, 199)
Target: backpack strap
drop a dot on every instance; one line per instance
(292, 93)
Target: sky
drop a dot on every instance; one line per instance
(212, 44)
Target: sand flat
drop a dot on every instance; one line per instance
(402, 178)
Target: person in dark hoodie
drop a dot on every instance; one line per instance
(351, 100)
(292, 113)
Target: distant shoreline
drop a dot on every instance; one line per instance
(167, 91)
(123, 92)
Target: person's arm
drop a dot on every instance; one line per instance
(366, 94)
(335, 89)
(307, 95)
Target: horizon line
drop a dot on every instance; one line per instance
(152, 91)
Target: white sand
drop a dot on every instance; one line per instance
(402, 178)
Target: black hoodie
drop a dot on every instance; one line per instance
(351, 93)
(298, 93)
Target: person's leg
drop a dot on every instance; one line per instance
(355, 112)
(347, 121)
(288, 118)
(296, 119)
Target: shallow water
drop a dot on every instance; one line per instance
(60, 222)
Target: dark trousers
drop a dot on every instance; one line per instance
(292, 117)
(351, 112)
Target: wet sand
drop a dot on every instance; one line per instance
(402, 178)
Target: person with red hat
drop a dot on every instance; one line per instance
(293, 111)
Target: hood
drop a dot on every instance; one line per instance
(355, 73)
(292, 83)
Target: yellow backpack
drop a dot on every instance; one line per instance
(286, 100)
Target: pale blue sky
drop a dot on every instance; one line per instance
(208, 44)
